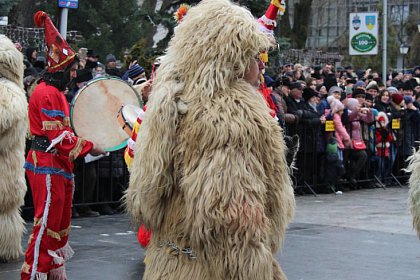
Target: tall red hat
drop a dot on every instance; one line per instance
(268, 21)
(59, 52)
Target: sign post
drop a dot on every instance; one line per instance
(65, 5)
(363, 34)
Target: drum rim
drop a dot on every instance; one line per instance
(124, 143)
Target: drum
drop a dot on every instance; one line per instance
(127, 116)
(94, 110)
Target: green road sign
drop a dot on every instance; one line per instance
(363, 42)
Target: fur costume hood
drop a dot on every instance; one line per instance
(209, 172)
(11, 61)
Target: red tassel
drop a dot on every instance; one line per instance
(39, 18)
(143, 236)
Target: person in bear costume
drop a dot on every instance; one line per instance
(414, 192)
(13, 128)
(209, 176)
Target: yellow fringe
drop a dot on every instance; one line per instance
(64, 232)
(66, 121)
(52, 125)
(37, 221)
(25, 268)
(77, 149)
(53, 234)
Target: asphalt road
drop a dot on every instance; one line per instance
(363, 235)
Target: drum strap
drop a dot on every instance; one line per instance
(41, 143)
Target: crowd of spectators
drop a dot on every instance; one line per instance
(352, 127)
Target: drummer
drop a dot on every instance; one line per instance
(49, 164)
(82, 77)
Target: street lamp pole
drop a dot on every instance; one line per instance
(384, 42)
(403, 50)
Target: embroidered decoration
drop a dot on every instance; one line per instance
(53, 113)
(52, 125)
(53, 234)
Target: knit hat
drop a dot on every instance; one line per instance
(59, 52)
(308, 93)
(369, 97)
(359, 84)
(92, 53)
(408, 99)
(397, 98)
(135, 70)
(382, 117)
(407, 86)
(372, 85)
(359, 92)
(83, 75)
(111, 57)
(392, 90)
(295, 85)
(352, 103)
(335, 104)
(335, 89)
(268, 20)
(351, 81)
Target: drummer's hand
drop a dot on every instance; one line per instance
(96, 151)
(147, 87)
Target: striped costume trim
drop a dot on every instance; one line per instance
(52, 125)
(34, 273)
(53, 113)
(47, 170)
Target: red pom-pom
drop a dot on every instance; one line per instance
(143, 236)
(39, 18)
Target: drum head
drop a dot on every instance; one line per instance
(130, 113)
(94, 110)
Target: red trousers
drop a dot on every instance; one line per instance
(48, 247)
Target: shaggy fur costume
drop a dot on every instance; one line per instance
(209, 176)
(414, 199)
(13, 128)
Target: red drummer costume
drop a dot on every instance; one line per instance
(49, 164)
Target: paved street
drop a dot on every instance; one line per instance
(363, 235)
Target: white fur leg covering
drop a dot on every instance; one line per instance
(58, 274)
(414, 199)
(12, 227)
